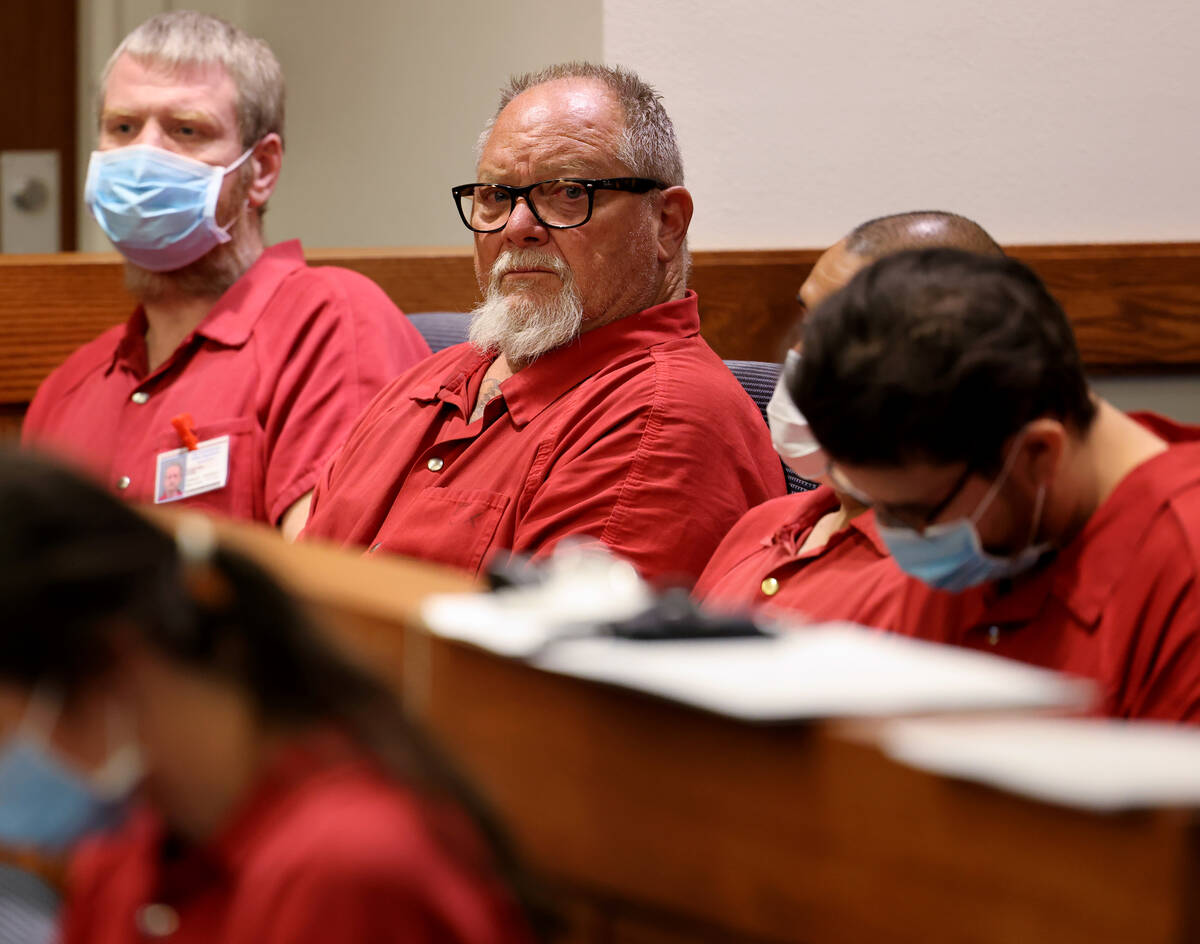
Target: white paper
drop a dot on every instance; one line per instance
(828, 671)
(1093, 764)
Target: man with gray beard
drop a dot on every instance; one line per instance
(586, 404)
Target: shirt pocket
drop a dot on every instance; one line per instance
(242, 496)
(446, 525)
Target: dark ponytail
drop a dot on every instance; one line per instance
(77, 567)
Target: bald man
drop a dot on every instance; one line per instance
(817, 553)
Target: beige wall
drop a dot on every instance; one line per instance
(1073, 120)
(385, 102)
(1048, 120)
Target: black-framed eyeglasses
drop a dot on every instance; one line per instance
(563, 203)
(892, 516)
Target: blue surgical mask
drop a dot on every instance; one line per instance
(158, 208)
(951, 556)
(790, 434)
(47, 805)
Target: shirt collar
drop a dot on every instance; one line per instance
(1084, 574)
(231, 320)
(529, 391)
(810, 507)
(186, 873)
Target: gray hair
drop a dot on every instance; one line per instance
(648, 146)
(185, 38)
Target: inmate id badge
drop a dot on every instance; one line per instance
(182, 473)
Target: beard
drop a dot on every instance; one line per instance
(522, 328)
(214, 273)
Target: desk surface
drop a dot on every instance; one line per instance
(661, 824)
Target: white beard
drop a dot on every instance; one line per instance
(522, 329)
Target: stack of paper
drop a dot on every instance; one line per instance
(1093, 764)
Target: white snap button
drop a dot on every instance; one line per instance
(140, 396)
(435, 464)
(157, 920)
(123, 482)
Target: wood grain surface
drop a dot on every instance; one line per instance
(1134, 306)
(654, 823)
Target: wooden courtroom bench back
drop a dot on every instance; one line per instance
(1135, 307)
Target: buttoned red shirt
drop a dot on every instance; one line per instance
(759, 564)
(324, 849)
(283, 364)
(1120, 604)
(635, 434)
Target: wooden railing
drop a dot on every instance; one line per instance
(1134, 306)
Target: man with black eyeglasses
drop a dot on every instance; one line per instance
(1041, 523)
(586, 404)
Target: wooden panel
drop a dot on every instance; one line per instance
(658, 824)
(790, 833)
(1134, 307)
(37, 73)
(49, 306)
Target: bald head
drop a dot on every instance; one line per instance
(919, 229)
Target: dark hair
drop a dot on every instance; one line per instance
(920, 229)
(77, 567)
(937, 355)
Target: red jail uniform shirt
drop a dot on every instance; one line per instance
(636, 435)
(1120, 604)
(324, 850)
(760, 565)
(283, 364)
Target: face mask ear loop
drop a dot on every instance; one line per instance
(1039, 505)
(42, 712)
(215, 195)
(1000, 480)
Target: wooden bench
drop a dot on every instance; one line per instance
(1135, 307)
(658, 824)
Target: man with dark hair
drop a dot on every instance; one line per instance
(586, 404)
(817, 552)
(1042, 523)
(270, 360)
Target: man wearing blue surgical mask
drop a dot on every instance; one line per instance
(818, 554)
(1041, 523)
(240, 361)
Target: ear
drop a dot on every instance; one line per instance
(267, 160)
(675, 215)
(1042, 448)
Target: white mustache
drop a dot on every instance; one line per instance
(516, 259)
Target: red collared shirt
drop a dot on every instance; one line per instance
(635, 434)
(284, 362)
(1120, 604)
(323, 850)
(760, 564)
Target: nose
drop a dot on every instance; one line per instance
(151, 133)
(523, 228)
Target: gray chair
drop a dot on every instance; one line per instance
(443, 329)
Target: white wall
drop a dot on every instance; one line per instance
(385, 102)
(1046, 120)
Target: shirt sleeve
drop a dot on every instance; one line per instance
(345, 341)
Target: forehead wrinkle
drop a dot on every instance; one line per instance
(557, 129)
